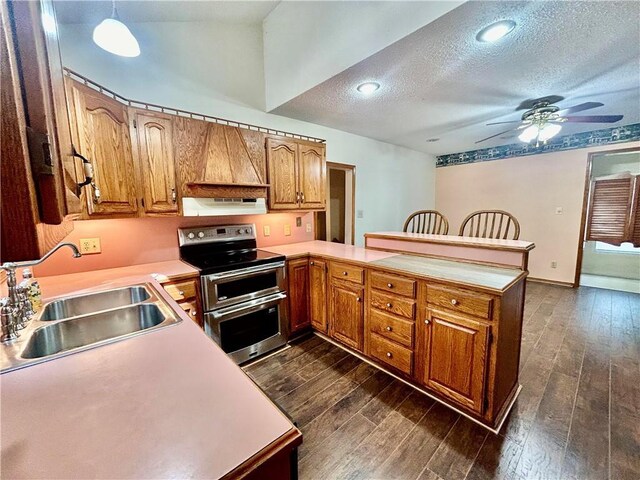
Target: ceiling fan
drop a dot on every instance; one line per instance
(543, 120)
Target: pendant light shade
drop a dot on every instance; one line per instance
(540, 134)
(529, 133)
(115, 37)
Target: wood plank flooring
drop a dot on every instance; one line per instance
(577, 416)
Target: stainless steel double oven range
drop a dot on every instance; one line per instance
(243, 288)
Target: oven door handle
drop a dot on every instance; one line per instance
(253, 306)
(243, 272)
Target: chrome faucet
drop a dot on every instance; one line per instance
(16, 309)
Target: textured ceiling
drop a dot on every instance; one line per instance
(439, 82)
(94, 11)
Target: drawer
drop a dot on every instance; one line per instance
(181, 290)
(393, 284)
(391, 353)
(391, 327)
(389, 303)
(463, 301)
(343, 271)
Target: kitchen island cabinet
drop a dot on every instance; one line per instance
(450, 329)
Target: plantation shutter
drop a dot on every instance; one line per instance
(610, 209)
(634, 228)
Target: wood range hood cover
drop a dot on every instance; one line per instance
(220, 161)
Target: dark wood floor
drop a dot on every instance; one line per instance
(578, 415)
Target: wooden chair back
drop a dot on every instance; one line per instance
(490, 224)
(426, 221)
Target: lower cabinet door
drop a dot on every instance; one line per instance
(455, 358)
(298, 272)
(346, 323)
(318, 294)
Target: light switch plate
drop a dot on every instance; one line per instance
(90, 246)
(309, 228)
(298, 221)
(266, 230)
(360, 214)
(287, 230)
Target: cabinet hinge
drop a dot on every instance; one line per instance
(135, 124)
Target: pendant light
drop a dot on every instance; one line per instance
(113, 36)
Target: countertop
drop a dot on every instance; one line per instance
(484, 276)
(165, 404)
(489, 243)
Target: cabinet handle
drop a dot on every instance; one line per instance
(427, 321)
(389, 285)
(389, 305)
(345, 273)
(389, 329)
(302, 194)
(312, 263)
(297, 197)
(193, 313)
(389, 354)
(454, 301)
(358, 299)
(96, 192)
(180, 292)
(174, 196)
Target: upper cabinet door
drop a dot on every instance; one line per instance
(101, 134)
(312, 172)
(155, 159)
(282, 162)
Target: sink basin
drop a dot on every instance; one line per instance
(91, 329)
(94, 302)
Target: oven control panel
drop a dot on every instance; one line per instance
(216, 233)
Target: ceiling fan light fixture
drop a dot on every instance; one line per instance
(550, 130)
(115, 37)
(495, 31)
(528, 134)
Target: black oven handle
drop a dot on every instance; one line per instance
(243, 272)
(252, 306)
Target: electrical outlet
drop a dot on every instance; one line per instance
(554, 264)
(267, 230)
(309, 228)
(287, 230)
(360, 214)
(559, 211)
(298, 221)
(89, 246)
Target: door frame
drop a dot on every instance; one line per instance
(350, 200)
(585, 205)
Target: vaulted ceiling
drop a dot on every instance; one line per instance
(441, 83)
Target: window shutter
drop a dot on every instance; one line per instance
(609, 212)
(634, 227)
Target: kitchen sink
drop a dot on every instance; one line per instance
(94, 302)
(91, 329)
(81, 322)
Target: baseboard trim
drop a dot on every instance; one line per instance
(424, 392)
(551, 282)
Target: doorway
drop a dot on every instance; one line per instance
(336, 224)
(600, 264)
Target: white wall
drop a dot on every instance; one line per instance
(304, 42)
(176, 70)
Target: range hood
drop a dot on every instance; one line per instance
(210, 207)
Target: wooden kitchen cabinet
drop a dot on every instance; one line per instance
(185, 291)
(153, 147)
(297, 175)
(318, 294)
(298, 274)
(346, 313)
(100, 130)
(454, 355)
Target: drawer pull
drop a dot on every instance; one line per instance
(389, 354)
(312, 263)
(389, 305)
(454, 301)
(345, 273)
(358, 299)
(180, 292)
(389, 285)
(193, 313)
(427, 321)
(389, 329)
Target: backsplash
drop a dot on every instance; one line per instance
(134, 241)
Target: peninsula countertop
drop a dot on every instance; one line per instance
(165, 404)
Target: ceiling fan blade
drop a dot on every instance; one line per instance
(501, 123)
(496, 135)
(580, 108)
(594, 119)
